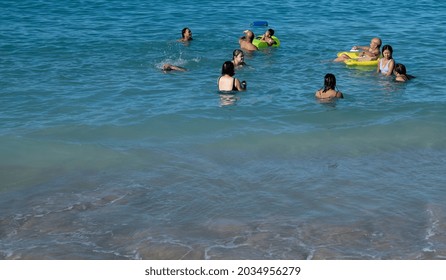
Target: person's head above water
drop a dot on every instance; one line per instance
(249, 35)
(376, 41)
(237, 52)
(400, 69)
(238, 57)
(329, 82)
(186, 34)
(228, 68)
(269, 32)
(387, 49)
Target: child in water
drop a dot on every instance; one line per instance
(329, 90)
(267, 37)
(400, 73)
(386, 63)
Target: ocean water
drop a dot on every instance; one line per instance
(104, 156)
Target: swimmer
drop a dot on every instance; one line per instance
(227, 82)
(329, 90)
(186, 35)
(368, 52)
(238, 58)
(386, 63)
(400, 73)
(246, 41)
(267, 37)
(169, 67)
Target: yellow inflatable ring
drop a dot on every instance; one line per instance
(353, 61)
(356, 62)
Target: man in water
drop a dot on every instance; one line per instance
(368, 53)
(246, 41)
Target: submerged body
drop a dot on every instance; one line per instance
(329, 90)
(227, 82)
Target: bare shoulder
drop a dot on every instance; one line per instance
(401, 79)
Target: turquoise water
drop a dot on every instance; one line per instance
(104, 156)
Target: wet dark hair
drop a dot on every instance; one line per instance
(388, 47)
(271, 32)
(184, 31)
(236, 52)
(329, 82)
(228, 68)
(400, 68)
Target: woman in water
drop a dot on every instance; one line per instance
(329, 90)
(400, 73)
(227, 82)
(238, 58)
(186, 35)
(386, 63)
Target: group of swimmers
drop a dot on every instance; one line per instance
(227, 82)
(386, 63)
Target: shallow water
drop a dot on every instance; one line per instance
(104, 156)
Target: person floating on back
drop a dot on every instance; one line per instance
(169, 67)
(329, 90)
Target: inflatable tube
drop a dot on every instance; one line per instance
(262, 44)
(260, 23)
(355, 62)
(354, 59)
